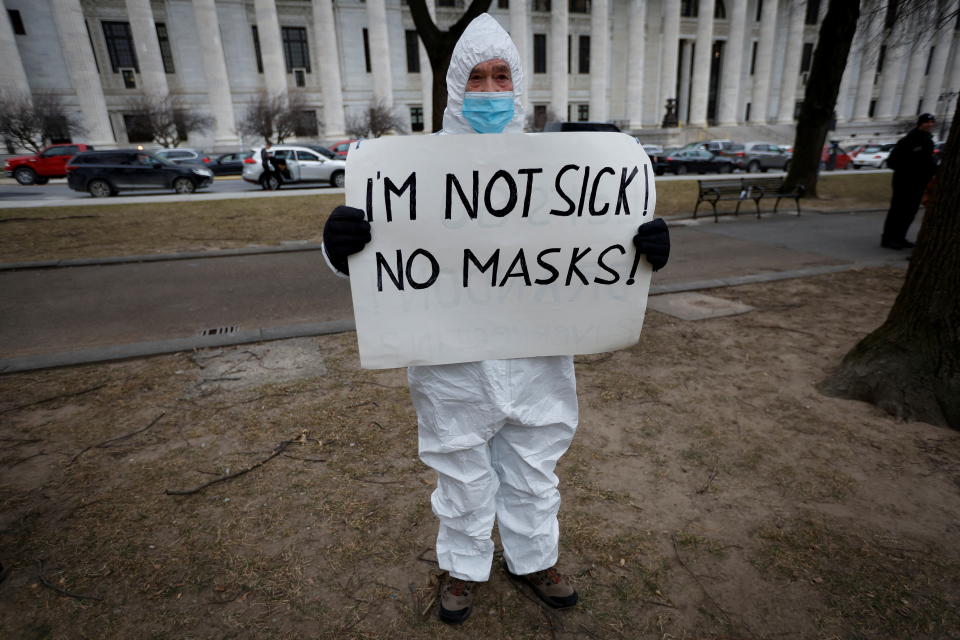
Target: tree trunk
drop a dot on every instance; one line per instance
(439, 45)
(820, 98)
(910, 366)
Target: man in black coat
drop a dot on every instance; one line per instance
(913, 167)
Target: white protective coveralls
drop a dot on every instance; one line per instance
(493, 430)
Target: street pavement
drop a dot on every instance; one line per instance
(96, 312)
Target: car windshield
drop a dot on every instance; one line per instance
(148, 158)
(326, 153)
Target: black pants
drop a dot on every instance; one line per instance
(907, 194)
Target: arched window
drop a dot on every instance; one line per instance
(720, 11)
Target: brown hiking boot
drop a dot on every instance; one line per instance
(456, 599)
(550, 586)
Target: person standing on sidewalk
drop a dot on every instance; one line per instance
(493, 430)
(913, 168)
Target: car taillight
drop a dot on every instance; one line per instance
(249, 161)
(206, 159)
(739, 154)
(669, 159)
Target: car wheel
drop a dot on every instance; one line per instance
(269, 183)
(681, 169)
(184, 185)
(25, 175)
(337, 179)
(753, 167)
(100, 189)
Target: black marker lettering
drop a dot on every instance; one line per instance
(573, 207)
(605, 267)
(511, 201)
(389, 187)
(471, 210)
(622, 195)
(383, 266)
(492, 262)
(434, 269)
(593, 193)
(523, 273)
(583, 189)
(529, 189)
(554, 274)
(574, 259)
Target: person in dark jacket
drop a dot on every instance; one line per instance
(270, 169)
(913, 168)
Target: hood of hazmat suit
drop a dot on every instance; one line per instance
(493, 430)
(483, 39)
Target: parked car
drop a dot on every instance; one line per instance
(106, 173)
(303, 165)
(939, 149)
(762, 156)
(653, 149)
(39, 168)
(228, 164)
(713, 146)
(181, 156)
(873, 155)
(692, 161)
(341, 148)
(842, 161)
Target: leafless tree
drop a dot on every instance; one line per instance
(534, 124)
(167, 120)
(376, 120)
(31, 121)
(276, 118)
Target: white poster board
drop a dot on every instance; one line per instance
(498, 246)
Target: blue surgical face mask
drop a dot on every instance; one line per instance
(488, 112)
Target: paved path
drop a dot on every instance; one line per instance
(58, 316)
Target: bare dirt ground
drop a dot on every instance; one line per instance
(711, 492)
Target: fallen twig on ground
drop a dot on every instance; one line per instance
(56, 397)
(63, 592)
(713, 474)
(106, 443)
(280, 448)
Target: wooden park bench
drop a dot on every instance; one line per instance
(753, 188)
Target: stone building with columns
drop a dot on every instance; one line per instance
(730, 65)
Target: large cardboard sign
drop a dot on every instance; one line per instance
(498, 246)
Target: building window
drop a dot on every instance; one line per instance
(579, 6)
(539, 116)
(416, 118)
(300, 77)
(926, 71)
(813, 12)
(413, 52)
(881, 58)
(891, 15)
(759, 10)
(583, 55)
(256, 48)
(541, 5)
(366, 48)
(746, 115)
(796, 109)
(539, 53)
(166, 54)
(689, 8)
(306, 126)
(295, 48)
(873, 108)
(753, 58)
(120, 46)
(807, 58)
(583, 112)
(720, 11)
(16, 22)
(503, 4)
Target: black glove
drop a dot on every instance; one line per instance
(346, 233)
(653, 241)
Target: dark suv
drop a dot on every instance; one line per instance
(105, 173)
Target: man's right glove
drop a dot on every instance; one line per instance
(346, 233)
(653, 240)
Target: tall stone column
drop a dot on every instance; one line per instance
(891, 79)
(791, 67)
(938, 66)
(636, 62)
(148, 47)
(215, 71)
(683, 100)
(911, 87)
(728, 111)
(843, 96)
(12, 75)
(271, 47)
(380, 51)
(520, 32)
(599, 60)
(871, 23)
(669, 55)
(559, 69)
(954, 84)
(328, 64)
(701, 64)
(763, 64)
(82, 69)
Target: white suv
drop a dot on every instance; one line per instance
(303, 164)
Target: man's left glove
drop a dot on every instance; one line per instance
(653, 241)
(345, 233)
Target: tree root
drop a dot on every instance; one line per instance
(280, 448)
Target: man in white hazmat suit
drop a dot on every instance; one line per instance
(493, 430)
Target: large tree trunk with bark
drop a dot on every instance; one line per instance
(910, 366)
(439, 46)
(820, 98)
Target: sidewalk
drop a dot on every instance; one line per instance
(117, 308)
